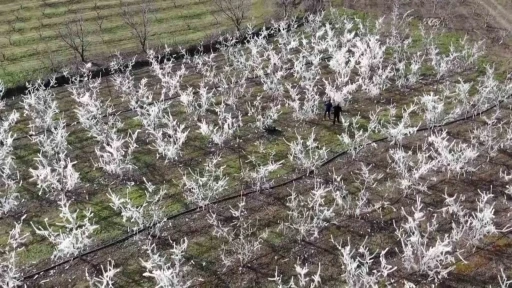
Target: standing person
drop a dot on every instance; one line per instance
(328, 107)
(337, 113)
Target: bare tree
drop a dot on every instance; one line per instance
(447, 6)
(40, 31)
(47, 57)
(503, 34)
(487, 18)
(100, 15)
(3, 63)
(100, 18)
(138, 21)
(286, 7)
(235, 10)
(45, 52)
(17, 14)
(10, 32)
(75, 35)
(434, 4)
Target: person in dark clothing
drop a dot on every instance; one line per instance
(337, 113)
(328, 107)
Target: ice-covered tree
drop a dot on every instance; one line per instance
(307, 155)
(203, 186)
(75, 232)
(10, 272)
(168, 273)
(105, 280)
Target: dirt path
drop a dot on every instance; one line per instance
(498, 12)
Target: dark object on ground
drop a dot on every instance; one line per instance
(272, 130)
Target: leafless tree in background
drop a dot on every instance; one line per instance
(100, 15)
(75, 35)
(17, 14)
(445, 6)
(47, 57)
(10, 33)
(235, 10)
(138, 21)
(503, 35)
(3, 60)
(434, 3)
(286, 7)
(100, 18)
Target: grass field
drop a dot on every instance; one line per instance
(30, 46)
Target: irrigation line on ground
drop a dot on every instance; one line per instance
(238, 195)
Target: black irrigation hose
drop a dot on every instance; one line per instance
(235, 196)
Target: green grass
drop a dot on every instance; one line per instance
(132, 124)
(445, 40)
(144, 158)
(78, 137)
(35, 253)
(204, 246)
(275, 237)
(90, 176)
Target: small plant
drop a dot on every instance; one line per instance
(204, 186)
(148, 214)
(168, 274)
(76, 235)
(241, 243)
(106, 279)
(10, 274)
(307, 155)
